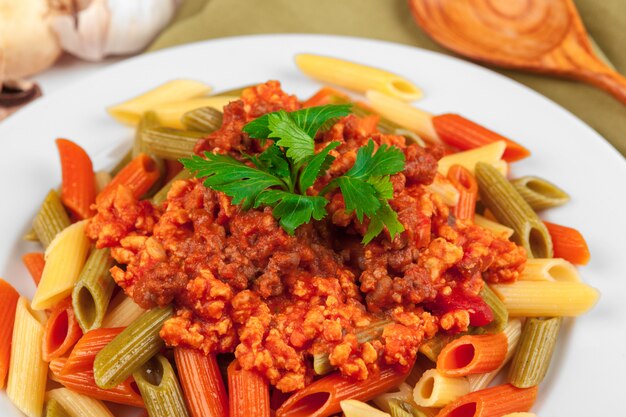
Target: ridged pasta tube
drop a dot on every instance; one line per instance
(160, 389)
(540, 194)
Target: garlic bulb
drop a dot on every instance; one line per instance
(27, 43)
(112, 27)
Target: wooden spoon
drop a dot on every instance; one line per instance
(545, 36)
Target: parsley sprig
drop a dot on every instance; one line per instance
(289, 166)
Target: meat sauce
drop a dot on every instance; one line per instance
(241, 284)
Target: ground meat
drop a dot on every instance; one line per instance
(241, 284)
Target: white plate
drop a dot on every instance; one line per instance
(587, 373)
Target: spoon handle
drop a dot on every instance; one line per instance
(608, 80)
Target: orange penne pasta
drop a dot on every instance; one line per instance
(83, 382)
(34, 262)
(84, 353)
(455, 130)
(248, 393)
(322, 397)
(8, 302)
(62, 331)
(472, 354)
(324, 96)
(491, 402)
(139, 175)
(78, 187)
(568, 244)
(465, 183)
(202, 383)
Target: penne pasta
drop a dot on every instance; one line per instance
(202, 383)
(84, 352)
(54, 409)
(513, 331)
(161, 195)
(505, 203)
(159, 388)
(130, 111)
(148, 120)
(133, 347)
(546, 299)
(437, 390)
(403, 114)
(521, 415)
(78, 187)
(128, 156)
(138, 176)
(354, 408)
(549, 269)
(102, 179)
(465, 183)
(399, 408)
(472, 354)
(248, 393)
(77, 405)
(92, 292)
(61, 332)
(568, 244)
(204, 119)
(500, 313)
(357, 77)
(170, 115)
(489, 154)
(534, 353)
(422, 364)
(9, 297)
(83, 382)
(539, 193)
(445, 189)
(65, 258)
(122, 312)
(168, 143)
(26, 386)
(322, 397)
(495, 227)
(404, 392)
(495, 401)
(51, 219)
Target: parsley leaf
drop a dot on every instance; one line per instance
(290, 136)
(387, 160)
(292, 210)
(224, 173)
(385, 216)
(359, 196)
(316, 165)
(272, 161)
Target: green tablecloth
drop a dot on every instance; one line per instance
(391, 20)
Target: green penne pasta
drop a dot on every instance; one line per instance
(54, 409)
(500, 313)
(534, 352)
(92, 292)
(169, 143)
(161, 195)
(130, 349)
(399, 408)
(147, 121)
(31, 236)
(540, 194)
(432, 347)
(128, 156)
(321, 362)
(204, 119)
(160, 389)
(51, 219)
(411, 136)
(501, 198)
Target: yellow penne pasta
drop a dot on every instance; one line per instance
(444, 189)
(65, 258)
(357, 77)
(550, 269)
(545, 298)
(354, 408)
(404, 114)
(170, 115)
(404, 392)
(436, 390)
(78, 405)
(122, 312)
(129, 112)
(513, 331)
(490, 154)
(27, 373)
(495, 227)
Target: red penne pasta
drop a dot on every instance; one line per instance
(78, 188)
(465, 183)
(248, 393)
(491, 402)
(472, 354)
(324, 96)
(8, 302)
(322, 397)
(34, 262)
(202, 383)
(84, 353)
(459, 132)
(83, 382)
(139, 175)
(568, 244)
(62, 331)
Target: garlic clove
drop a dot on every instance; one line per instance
(29, 45)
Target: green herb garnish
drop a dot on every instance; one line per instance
(289, 166)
